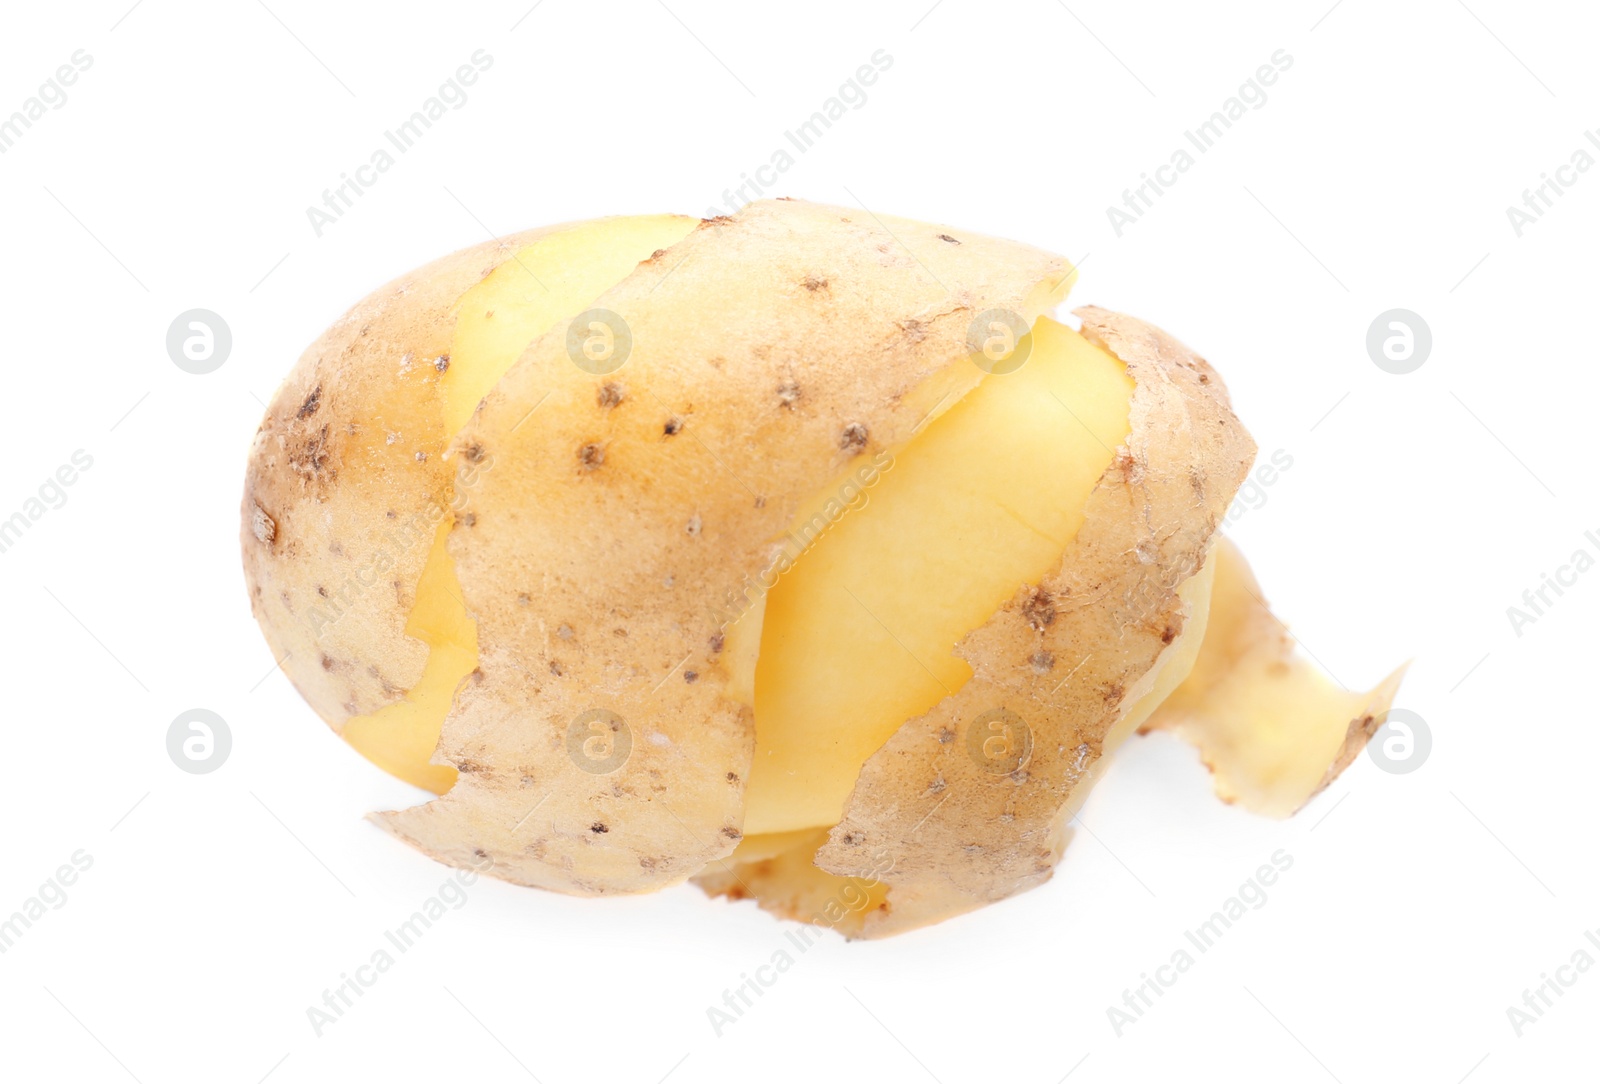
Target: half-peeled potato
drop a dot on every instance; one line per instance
(802, 553)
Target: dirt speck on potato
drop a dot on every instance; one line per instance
(312, 402)
(309, 459)
(853, 438)
(1039, 609)
(591, 456)
(263, 526)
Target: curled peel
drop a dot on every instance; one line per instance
(1273, 729)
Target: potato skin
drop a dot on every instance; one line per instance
(346, 482)
(962, 837)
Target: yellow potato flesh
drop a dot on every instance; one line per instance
(543, 285)
(859, 635)
(401, 737)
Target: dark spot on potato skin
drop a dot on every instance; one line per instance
(853, 438)
(788, 394)
(310, 458)
(473, 453)
(1168, 634)
(610, 395)
(814, 283)
(690, 677)
(327, 663)
(733, 777)
(309, 407)
(442, 362)
(717, 644)
(673, 427)
(947, 237)
(591, 456)
(1039, 610)
(599, 828)
(732, 832)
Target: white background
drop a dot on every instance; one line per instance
(1418, 508)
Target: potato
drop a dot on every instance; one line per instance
(799, 552)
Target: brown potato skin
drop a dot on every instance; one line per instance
(959, 836)
(336, 519)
